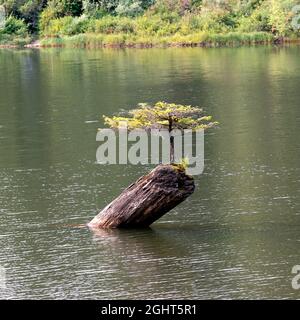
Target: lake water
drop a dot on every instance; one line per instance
(237, 236)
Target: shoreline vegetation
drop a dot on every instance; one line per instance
(147, 23)
(91, 41)
(120, 41)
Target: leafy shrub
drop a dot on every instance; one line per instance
(66, 26)
(279, 17)
(147, 26)
(14, 32)
(259, 20)
(213, 22)
(46, 17)
(269, 16)
(14, 26)
(156, 25)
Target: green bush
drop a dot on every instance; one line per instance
(259, 20)
(14, 26)
(213, 22)
(65, 9)
(147, 26)
(269, 16)
(66, 26)
(48, 15)
(14, 32)
(279, 16)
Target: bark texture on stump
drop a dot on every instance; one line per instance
(146, 200)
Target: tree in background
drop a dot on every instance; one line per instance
(212, 16)
(118, 7)
(267, 15)
(66, 7)
(28, 10)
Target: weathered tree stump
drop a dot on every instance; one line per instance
(146, 200)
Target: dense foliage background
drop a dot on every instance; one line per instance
(160, 18)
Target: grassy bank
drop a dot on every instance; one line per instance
(201, 39)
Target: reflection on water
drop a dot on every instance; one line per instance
(236, 237)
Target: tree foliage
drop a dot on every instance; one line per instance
(27, 10)
(163, 115)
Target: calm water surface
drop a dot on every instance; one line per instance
(238, 236)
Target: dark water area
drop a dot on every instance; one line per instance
(237, 236)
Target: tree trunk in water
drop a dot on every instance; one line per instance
(146, 200)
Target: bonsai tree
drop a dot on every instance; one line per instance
(163, 115)
(156, 193)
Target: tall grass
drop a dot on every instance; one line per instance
(93, 40)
